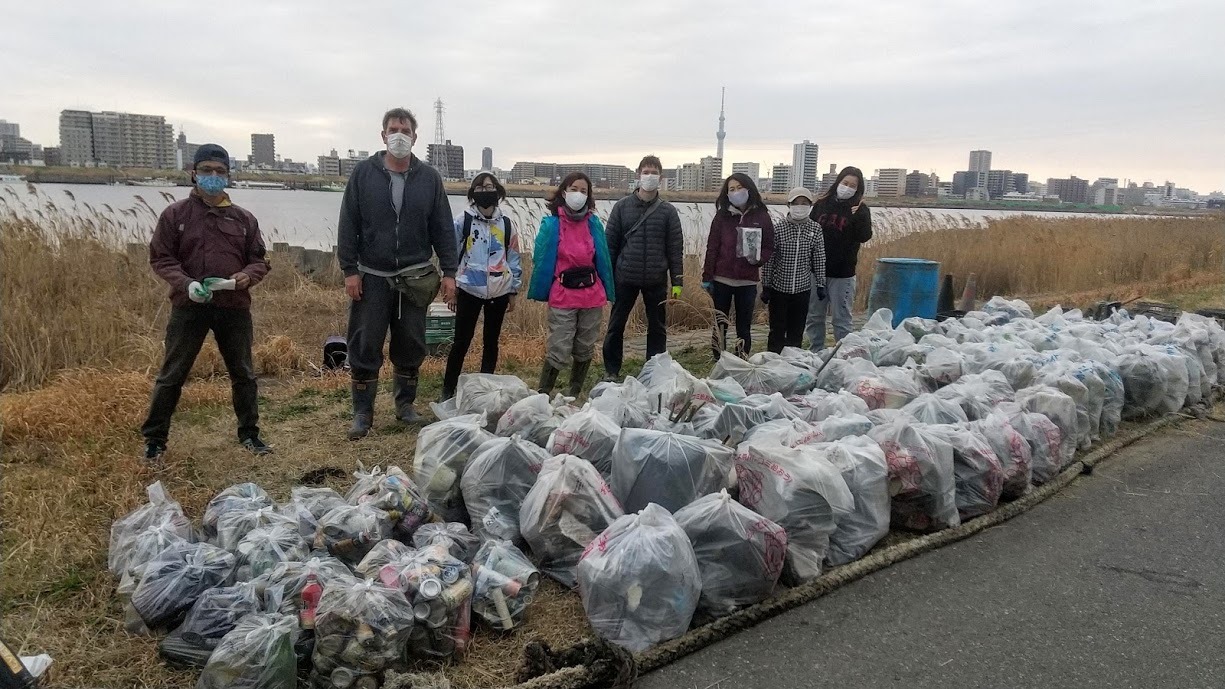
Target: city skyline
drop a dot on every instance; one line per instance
(994, 79)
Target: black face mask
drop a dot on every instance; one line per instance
(485, 199)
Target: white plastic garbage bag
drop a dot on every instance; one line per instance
(1043, 438)
(930, 408)
(489, 394)
(1060, 409)
(888, 388)
(763, 375)
(569, 505)
(740, 553)
(978, 393)
(626, 404)
(639, 580)
(498, 477)
(443, 450)
(665, 468)
(977, 471)
(589, 434)
(1012, 449)
(921, 476)
(866, 473)
(801, 491)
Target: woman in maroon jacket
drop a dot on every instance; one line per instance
(741, 240)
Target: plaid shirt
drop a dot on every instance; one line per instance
(799, 255)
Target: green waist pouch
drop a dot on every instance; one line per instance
(419, 285)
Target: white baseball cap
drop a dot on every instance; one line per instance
(797, 193)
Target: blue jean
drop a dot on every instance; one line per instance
(840, 293)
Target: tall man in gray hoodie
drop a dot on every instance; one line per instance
(395, 217)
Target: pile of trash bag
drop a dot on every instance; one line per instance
(566, 509)
(740, 553)
(639, 580)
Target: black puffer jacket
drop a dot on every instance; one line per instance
(647, 255)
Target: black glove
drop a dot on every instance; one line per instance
(821, 294)
(765, 296)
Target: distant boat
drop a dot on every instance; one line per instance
(332, 187)
(11, 179)
(247, 184)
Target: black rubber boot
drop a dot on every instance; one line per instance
(405, 388)
(578, 377)
(364, 392)
(548, 379)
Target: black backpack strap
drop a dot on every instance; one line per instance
(463, 240)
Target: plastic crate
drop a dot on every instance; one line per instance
(439, 326)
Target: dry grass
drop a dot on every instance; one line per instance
(1075, 257)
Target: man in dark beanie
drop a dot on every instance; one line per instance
(211, 253)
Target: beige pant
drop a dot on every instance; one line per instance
(572, 335)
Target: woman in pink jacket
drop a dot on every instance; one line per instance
(741, 240)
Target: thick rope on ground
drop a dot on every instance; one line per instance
(724, 627)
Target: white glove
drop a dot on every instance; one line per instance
(198, 293)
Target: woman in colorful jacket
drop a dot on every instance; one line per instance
(571, 270)
(489, 276)
(741, 240)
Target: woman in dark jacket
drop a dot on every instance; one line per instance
(846, 223)
(741, 239)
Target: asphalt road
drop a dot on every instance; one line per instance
(1118, 581)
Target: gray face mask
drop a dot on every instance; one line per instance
(738, 197)
(845, 192)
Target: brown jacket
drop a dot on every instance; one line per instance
(194, 241)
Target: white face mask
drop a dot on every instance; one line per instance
(800, 211)
(648, 182)
(399, 144)
(845, 192)
(576, 200)
(738, 197)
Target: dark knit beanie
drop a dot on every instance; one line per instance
(211, 152)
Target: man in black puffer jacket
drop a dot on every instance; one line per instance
(646, 244)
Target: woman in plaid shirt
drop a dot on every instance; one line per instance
(796, 269)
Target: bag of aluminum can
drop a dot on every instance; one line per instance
(242, 497)
(921, 475)
(257, 654)
(740, 553)
(489, 394)
(504, 583)
(866, 473)
(639, 580)
(439, 589)
(801, 491)
(215, 613)
(443, 450)
(569, 505)
(381, 554)
(283, 585)
(160, 512)
(307, 504)
(452, 536)
(265, 547)
(394, 493)
(361, 630)
(349, 532)
(588, 434)
(499, 477)
(668, 469)
(174, 579)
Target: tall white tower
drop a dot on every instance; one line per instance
(439, 133)
(721, 134)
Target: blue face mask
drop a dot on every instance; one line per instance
(211, 185)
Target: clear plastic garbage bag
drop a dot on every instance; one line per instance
(639, 580)
(455, 538)
(160, 511)
(489, 394)
(1011, 447)
(213, 615)
(932, 409)
(243, 497)
(978, 393)
(740, 553)
(361, 630)
(265, 547)
(396, 495)
(977, 471)
(665, 468)
(234, 525)
(443, 450)
(1042, 436)
(173, 580)
(866, 473)
(888, 388)
(498, 477)
(439, 587)
(763, 375)
(504, 585)
(1060, 409)
(350, 531)
(257, 654)
(589, 434)
(565, 510)
(921, 476)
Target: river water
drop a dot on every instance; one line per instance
(308, 218)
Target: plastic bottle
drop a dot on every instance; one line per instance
(311, 593)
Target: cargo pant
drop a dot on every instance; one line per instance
(185, 335)
(572, 335)
(840, 296)
(380, 309)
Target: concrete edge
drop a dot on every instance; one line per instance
(697, 639)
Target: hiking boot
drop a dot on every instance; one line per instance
(364, 392)
(404, 387)
(578, 376)
(611, 377)
(548, 379)
(155, 452)
(256, 446)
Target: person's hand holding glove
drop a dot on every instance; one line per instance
(676, 291)
(765, 296)
(821, 293)
(199, 293)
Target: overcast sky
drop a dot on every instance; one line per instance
(1133, 89)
